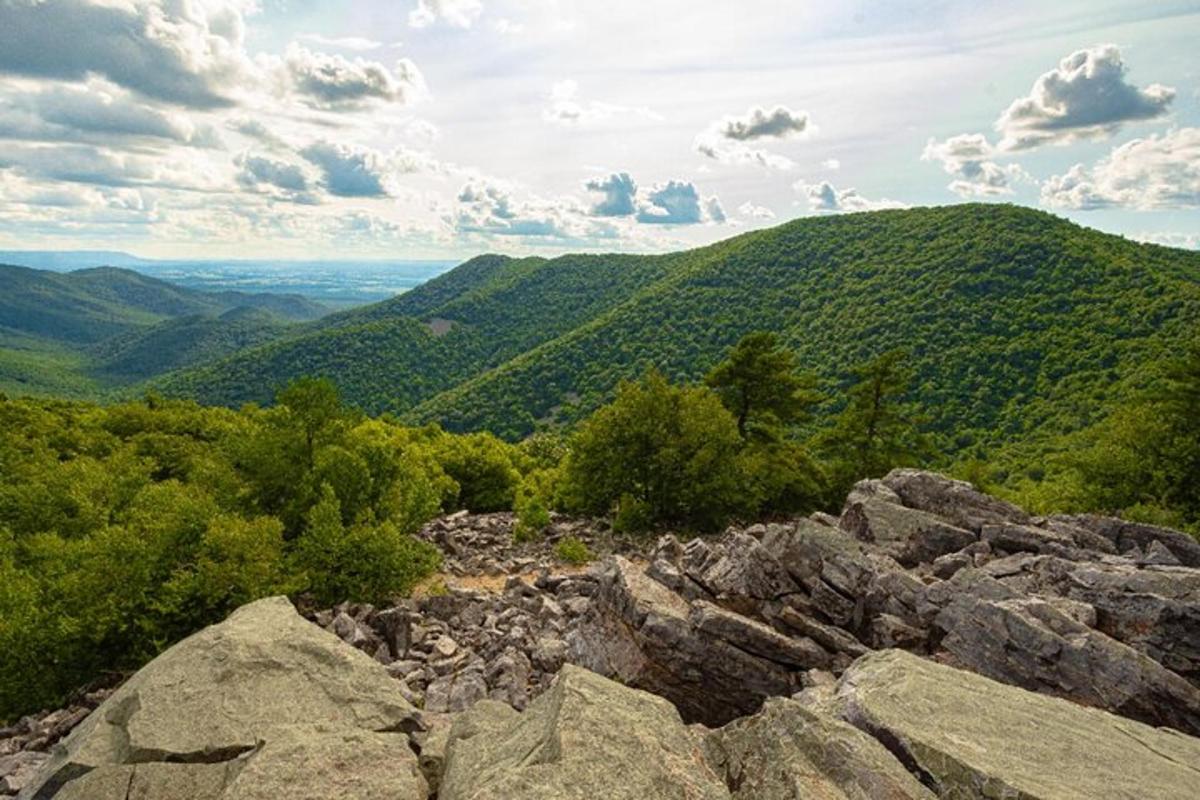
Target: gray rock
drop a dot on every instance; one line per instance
(226, 694)
(788, 751)
(972, 737)
(587, 737)
(957, 502)
(910, 536)
(1028, 642)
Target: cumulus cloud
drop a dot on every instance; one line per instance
(334, 82)
(677, 203)
(1087, 96)
(489, 207)
(725, 140)
(350, 171)
(1157, 172)
(672, 203)
(567, 109)
(831, 164)
(752, 211)
(968, 158)
(826, 198)
(759, 123)
(77, 164)
(456, 13)
(186, 53)
(281, 179)
(255, 129)
(620, 194)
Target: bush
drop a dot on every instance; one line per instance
(371, 563)
(672, 449)
(483, 467)
(572, 550)
(632, 515)
(531, 504)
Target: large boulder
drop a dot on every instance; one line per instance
(713, 664)
(957, 502)
(240, 709)
(910, 536)
(971, 737)
(1127, 536)
(585, 738)
(787, 751)
(1038, 644)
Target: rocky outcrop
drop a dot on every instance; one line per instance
(587, 737)
(971, 737)
(787, 751)
(262, 701)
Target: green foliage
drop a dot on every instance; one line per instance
(370, 562)
(632, 515)
(672, 448)
(759, 385)
(572, 550)
(124, 528)
(484, 468)
(878, 429)
(534, 496)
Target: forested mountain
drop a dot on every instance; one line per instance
(1018, 322)
(79, 332)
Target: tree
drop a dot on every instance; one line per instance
(760, 386)
(878, 429)
(313, 403)
(673, 449)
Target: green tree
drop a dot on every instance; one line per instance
(315, 406)
(759, 383)
(673, 449)
(879, 428)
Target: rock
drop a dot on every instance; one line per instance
(648, 637)
(1125, 535)
(587, 737)
(227, 694)
(1027, 642)
(445, 647)
(787, 751)
(957, 502)
(972, 737)
(18, 769)
(910, 536)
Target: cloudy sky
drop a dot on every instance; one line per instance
(442, 128)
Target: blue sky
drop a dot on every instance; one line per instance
(443, 128)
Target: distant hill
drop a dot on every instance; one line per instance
(1019, 322)
(64, 260)
(53, 324)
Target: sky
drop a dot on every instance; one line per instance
(408, 129)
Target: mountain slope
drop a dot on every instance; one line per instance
(76, 333)
(1019, 322)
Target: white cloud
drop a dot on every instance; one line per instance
(567, 109)
(334, 82)
(507, 27)
(185, 53)
(831, 164)
(825, 197)
(281, 179)
(752, 211)
(1157, 172)
(1087, 96)
(759, 123)
(620, 194)
(1184, 241)
(355, 43)
(725, 140)
(968, 158)
(456, 13)
(357, 171)
(677, 203)
(490, 208)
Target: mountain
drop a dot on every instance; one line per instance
(54, 325)
(1018, 322)
(63, 260)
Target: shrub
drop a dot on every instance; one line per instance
(673, 449)
(572, 550)
(483, 468)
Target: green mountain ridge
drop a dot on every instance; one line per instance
(1020, 323)
(79, 333)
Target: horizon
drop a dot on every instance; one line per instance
(440, 129)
